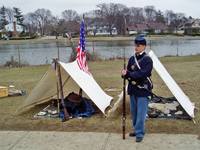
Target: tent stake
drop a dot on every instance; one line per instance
(194, 121)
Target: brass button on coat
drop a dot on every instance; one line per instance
(132, 67)
(133, 82)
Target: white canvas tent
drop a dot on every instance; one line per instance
(72, 79)
(171, 84)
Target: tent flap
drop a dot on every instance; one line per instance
(172, 85)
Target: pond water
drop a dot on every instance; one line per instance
(42, 53)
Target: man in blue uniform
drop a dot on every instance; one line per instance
(138, 73)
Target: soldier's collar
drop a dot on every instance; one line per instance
(140, 53)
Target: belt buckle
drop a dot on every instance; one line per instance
(133, 82)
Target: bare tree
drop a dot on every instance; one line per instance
(9, 15)
(150, 13)
(168, 14)
(137, 16)
(108, 11)
(93, 19)
(42, 17)
(173, 20)
(70, 15)
(30, 23)
(110, 15)
(178, 18)
(57, 25)
(88, 19)
(73, 21)
(122, 12)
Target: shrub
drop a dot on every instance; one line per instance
(22, 34)
(180, 34)
(34, 36)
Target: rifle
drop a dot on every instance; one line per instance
(124, 96)
(58, 101)
(67, 117)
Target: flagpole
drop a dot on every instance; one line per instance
(81, 53)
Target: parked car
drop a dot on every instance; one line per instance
(142, 35)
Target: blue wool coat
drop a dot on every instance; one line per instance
(139, 75)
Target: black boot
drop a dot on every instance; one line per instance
(132, 134)
(139, 139)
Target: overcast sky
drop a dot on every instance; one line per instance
(188, 7)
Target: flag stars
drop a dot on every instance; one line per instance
(81, 55)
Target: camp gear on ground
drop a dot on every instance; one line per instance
(73, 79)
(73, 97)
(166, 108)
(89, 111)
(51, 111)
(153, 114)
(3, 91)
(74, 103)
(15, 92)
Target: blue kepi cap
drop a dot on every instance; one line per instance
(140, 40)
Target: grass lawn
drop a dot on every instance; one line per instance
(184, 70)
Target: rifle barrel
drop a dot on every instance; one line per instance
(124, 97)
(61, 93)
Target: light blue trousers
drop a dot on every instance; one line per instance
(139, 107)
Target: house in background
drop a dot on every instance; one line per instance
(145, 28)
(142, 28)
(190, 27)
(158, 27)
(192, 23)
(132, 30)
(101, 30)
(14, 28)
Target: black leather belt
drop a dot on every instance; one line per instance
(138, 83)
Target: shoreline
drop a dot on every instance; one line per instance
(89, 61)
(95, 39)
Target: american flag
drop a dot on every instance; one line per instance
(81, 54)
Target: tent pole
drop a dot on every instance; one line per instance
(80, 92)
(58, 51)
(58, 103)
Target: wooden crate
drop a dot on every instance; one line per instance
(3, 91)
